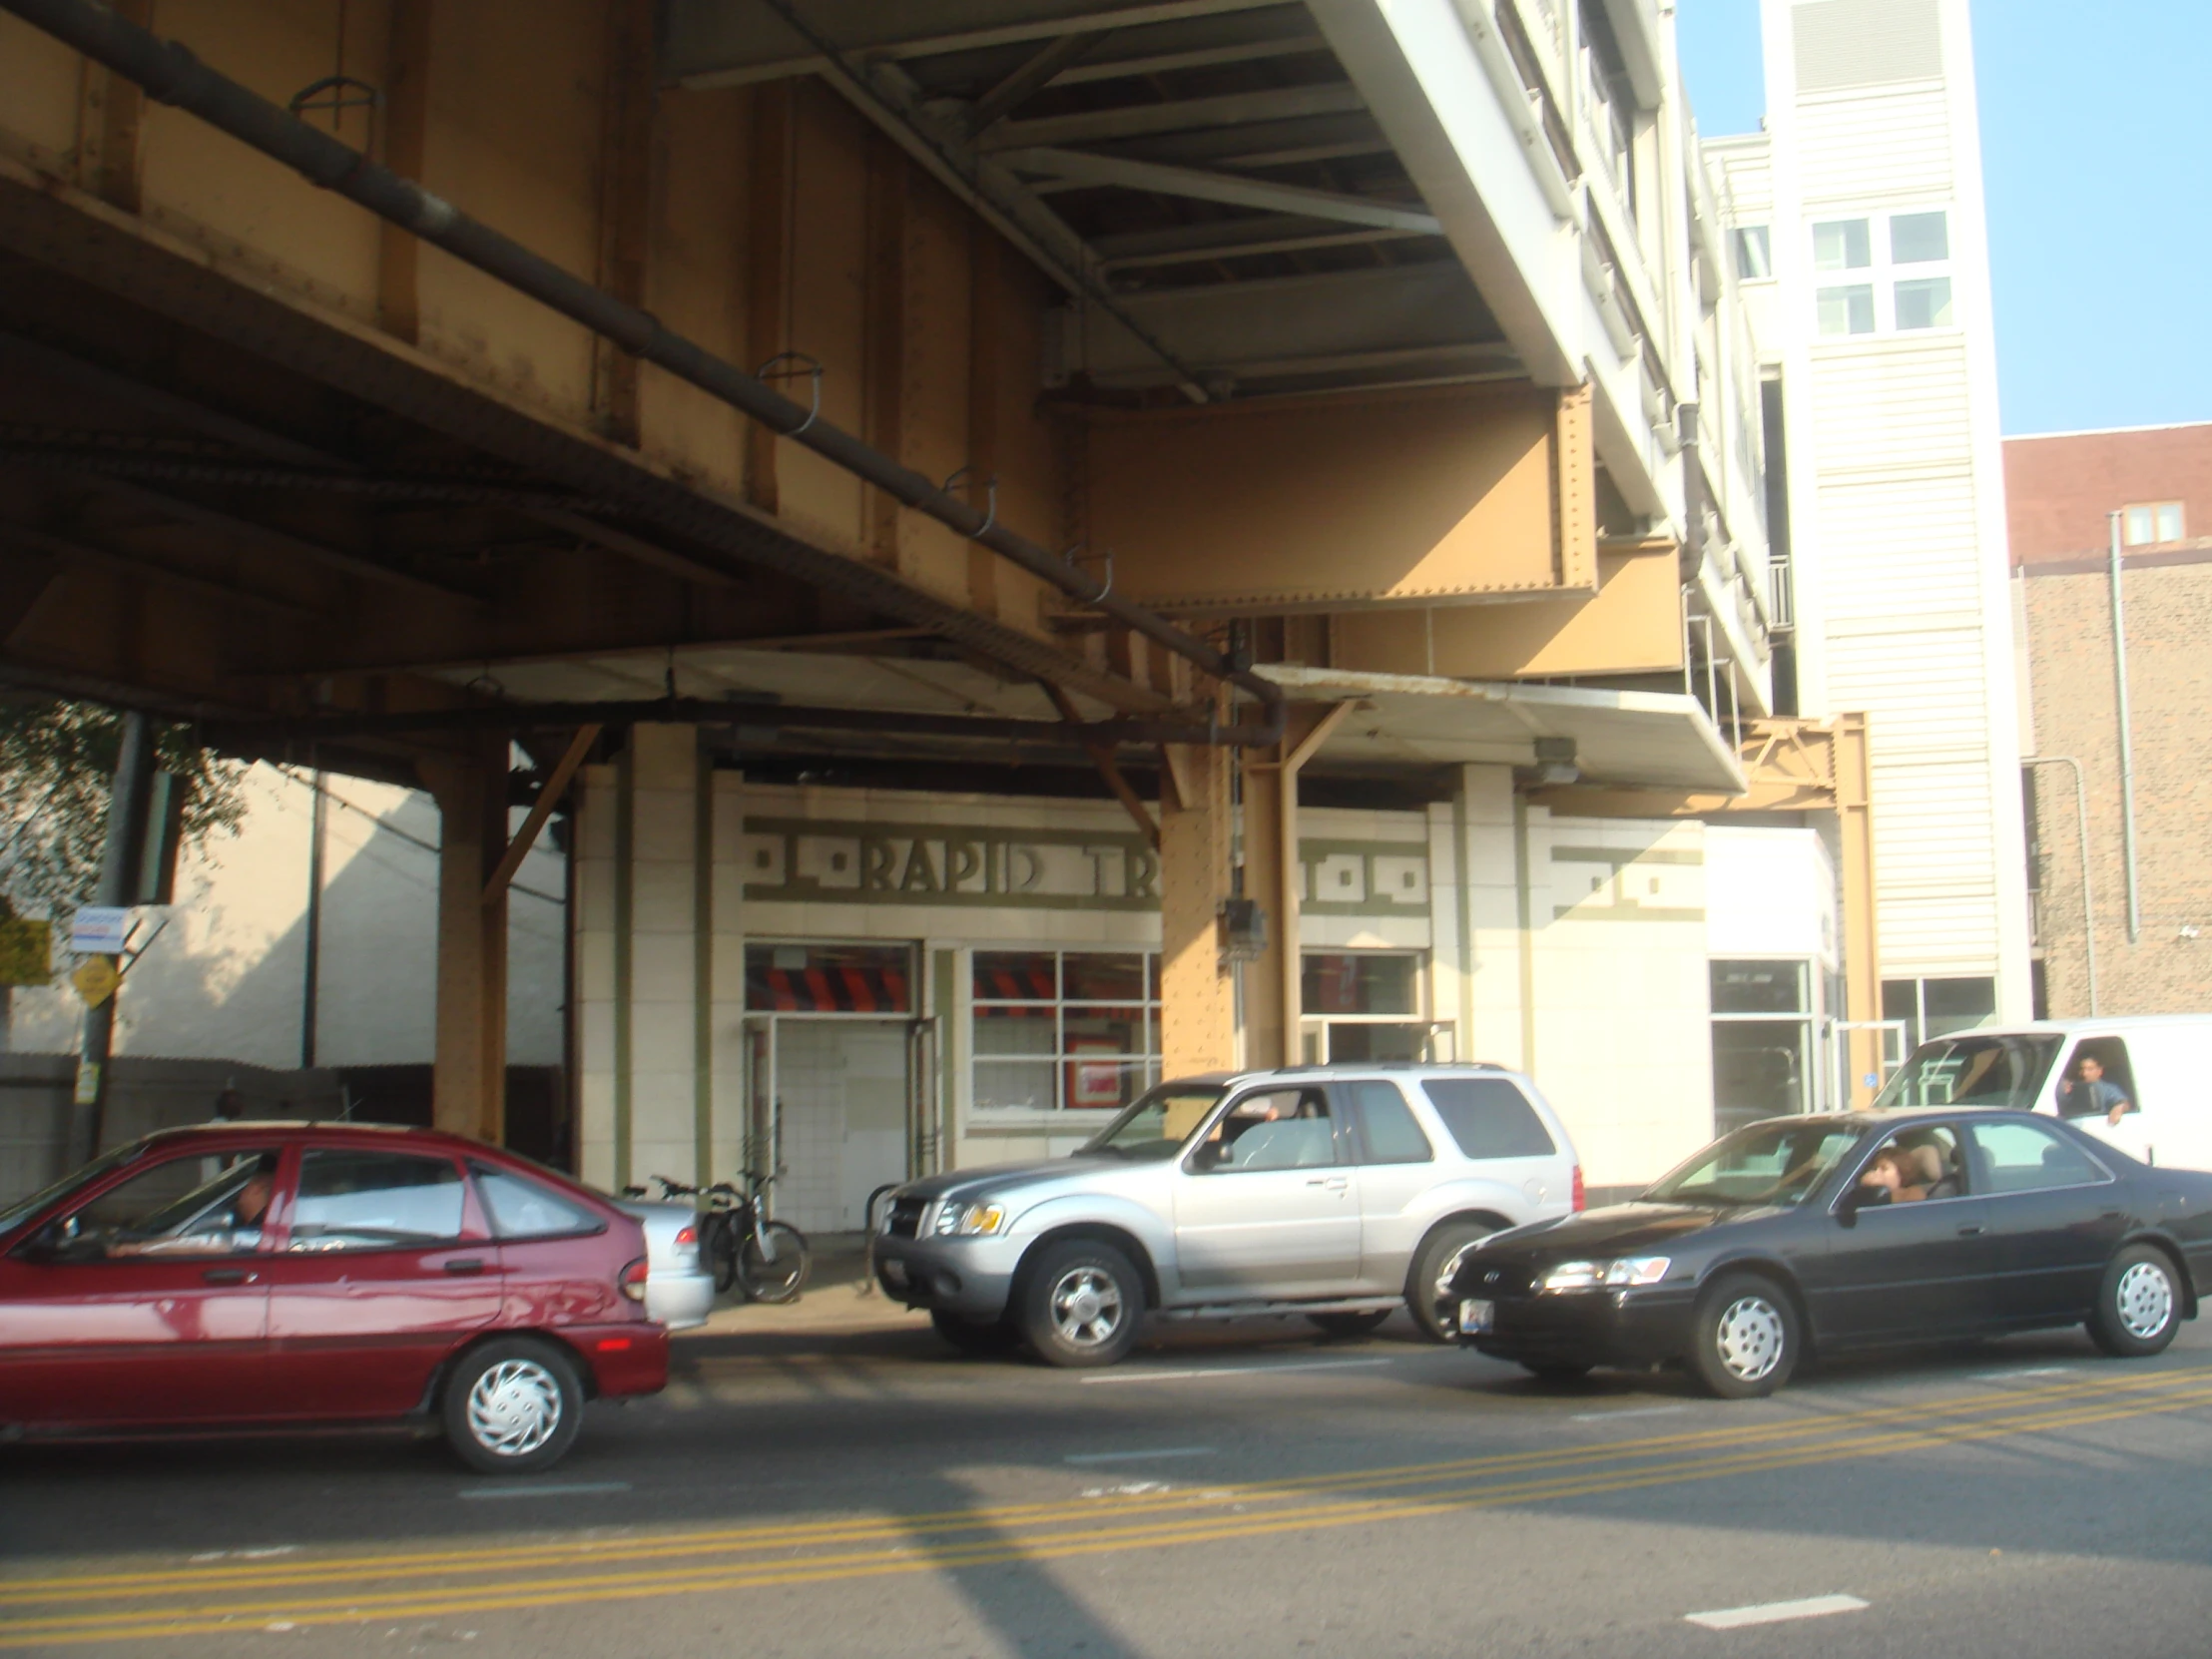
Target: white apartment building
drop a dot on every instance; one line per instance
(1858, 234)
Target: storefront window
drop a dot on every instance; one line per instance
(1761, 1041)
(829, 979)
(1073, 1030)
(1362, 1005)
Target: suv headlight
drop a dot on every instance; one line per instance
(970, 1221)
(1618, 1274)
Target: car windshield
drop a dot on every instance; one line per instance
(1978, 1070)
(1779, 1160)
(1155, 1126)
(24, 1209)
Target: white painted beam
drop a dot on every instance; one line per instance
(711, 43)
(1182, 116)
(1081, 166)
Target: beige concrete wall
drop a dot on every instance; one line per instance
(225, 981)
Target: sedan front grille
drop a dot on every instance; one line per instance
(906, 1217)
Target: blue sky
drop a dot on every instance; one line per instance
(2099, 187)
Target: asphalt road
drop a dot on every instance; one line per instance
(1251, 1491)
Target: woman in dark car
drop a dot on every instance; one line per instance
(1843, 1229)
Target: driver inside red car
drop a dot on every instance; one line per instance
(230, 1228)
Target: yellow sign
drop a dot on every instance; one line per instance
(96, 979)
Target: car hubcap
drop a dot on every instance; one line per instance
(515, 1407)
(1750, 1337)
(1086, 1307)
(2146, 1300)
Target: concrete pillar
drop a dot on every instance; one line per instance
(1853, 769)
(1197, 1011)
(469, 1079)
(1275, 876)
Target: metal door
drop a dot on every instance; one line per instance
(1268, 1228)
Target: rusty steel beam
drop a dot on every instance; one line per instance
(169, 73)
(697, 711)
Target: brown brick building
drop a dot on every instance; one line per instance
(2058, 491)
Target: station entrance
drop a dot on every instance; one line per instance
(840, 1090)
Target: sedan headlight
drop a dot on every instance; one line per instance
(970, 1221)
(1618, 1274)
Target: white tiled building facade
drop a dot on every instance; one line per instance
(859, 984)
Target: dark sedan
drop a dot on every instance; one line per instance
(284, 1272)
(1821, 1233)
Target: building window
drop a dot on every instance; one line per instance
(1848, 311)
(1761, 1041)
(1919, 239)
(1923, 303)
(829, 979)
(1364, 1005)
(1928, 1008)
(2151, 521)
(1908, 287)
(1842, 245)
(1065, 1030)
(1754, 253)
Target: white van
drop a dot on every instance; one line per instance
(2159, 1067)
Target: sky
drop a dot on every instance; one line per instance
(2099, 191)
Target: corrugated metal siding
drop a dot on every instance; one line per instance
(1747, 172)
(1923, 688)
(1934, 871)
(1860, 43)
(1875, 148)
(1901, 538)
(1935, 823)
(1891, 403)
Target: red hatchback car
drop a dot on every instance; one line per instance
(261, 1274)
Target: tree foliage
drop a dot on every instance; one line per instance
(57, 770)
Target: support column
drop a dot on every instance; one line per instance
(118, 877)
(1862, 948)
(1197, 1011)
(1275, 876)
(469, 1080)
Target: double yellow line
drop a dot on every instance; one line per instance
(417, 1584)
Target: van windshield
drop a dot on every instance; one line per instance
(1975, 1069)
(1153, 1129)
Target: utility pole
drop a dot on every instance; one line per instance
(120, 858)
(310, 991)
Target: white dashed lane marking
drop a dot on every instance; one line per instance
(1229, 1371)
(535, 1489)
(1139, 1456)
(1776, 1612)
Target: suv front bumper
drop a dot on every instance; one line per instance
(969, 1276)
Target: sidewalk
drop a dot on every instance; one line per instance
(839, 1300)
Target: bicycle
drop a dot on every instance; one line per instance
(768, 1260)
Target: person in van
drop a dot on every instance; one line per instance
(2091, 1092)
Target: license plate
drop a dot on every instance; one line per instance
(894, 1271)
(1476, 1316)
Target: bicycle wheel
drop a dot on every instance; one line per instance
(721, 1253)
(779, 1272)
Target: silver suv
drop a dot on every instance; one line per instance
(1338, 1192)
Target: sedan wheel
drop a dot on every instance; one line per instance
(1081, 1304)
(512, 1406)
(2138, 1307)
(1746, 1338)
